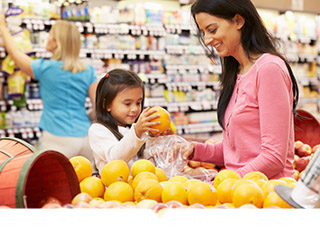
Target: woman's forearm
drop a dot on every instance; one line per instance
(21, 60)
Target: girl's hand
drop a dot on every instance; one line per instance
(144, 125)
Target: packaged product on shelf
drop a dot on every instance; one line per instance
(16, 84)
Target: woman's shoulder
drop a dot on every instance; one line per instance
(269, 61)
(267, 58)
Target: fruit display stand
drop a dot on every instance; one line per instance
(29, 177)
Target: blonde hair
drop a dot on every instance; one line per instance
(68, 48)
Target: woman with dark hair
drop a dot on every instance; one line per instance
(259, 93)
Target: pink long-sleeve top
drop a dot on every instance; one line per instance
(259, 123)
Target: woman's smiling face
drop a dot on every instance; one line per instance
(224, 35)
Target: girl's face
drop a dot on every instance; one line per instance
(222, 34)
(126, 106)
(51, 43)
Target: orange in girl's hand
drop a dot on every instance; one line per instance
(164, 119)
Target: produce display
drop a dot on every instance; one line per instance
(155, 186)
(302, 157)
(146, 186)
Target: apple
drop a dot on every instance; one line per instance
(296, 175)
(146, 203)
(248, 206)
(221, 206)
(51, 205)
(297, 144)
(197, 206)
(194, 164)
(174, 204)
(49, 199)
(302, 163)
(315, 148)
(68, 205)
(82, 204)
(5, 207)
(96, 202)
(159, 206)
(304, 150)
(81, 197)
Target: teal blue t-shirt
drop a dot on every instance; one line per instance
(63, 94)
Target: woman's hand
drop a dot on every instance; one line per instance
(187, 151)
(144, 125)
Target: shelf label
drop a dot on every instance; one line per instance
(297, 4)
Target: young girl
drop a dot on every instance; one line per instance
(122, 124)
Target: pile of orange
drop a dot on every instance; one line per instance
(144, 185)
(254, 189)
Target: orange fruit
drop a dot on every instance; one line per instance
(116, 170)
(119, 191)
(143, 176)
(174, 191)
(189, 182)
(224, 174)
(224, 190)
(161, 175)
(142, 165)
(130, 179)
(255, 175)
(164, 183)
(82, 166)
(96, 201)
(148, 189)
(240, 182)
(268, 187)
(93, 186)
(180, 179)
(260, 181)
(203, 193)
(164, 119)
(248, 194)
(273, 199)
(288, 180)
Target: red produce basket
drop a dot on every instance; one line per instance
(307, 128)
(27, 176)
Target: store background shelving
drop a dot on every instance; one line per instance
(157, 40)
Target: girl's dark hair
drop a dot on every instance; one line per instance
(108, 87)
(255, 39)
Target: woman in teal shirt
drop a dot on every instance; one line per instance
(65, 82)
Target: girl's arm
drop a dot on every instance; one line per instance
(107, 147)
(22, 60)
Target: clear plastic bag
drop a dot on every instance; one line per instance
(167, 151)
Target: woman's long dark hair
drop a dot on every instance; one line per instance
(255, 39)
(108, 87)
